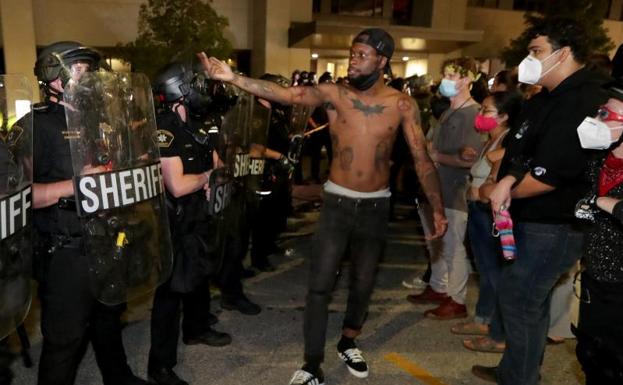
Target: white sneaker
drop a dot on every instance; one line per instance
(302, 377)
(415, 283)
(355, 362)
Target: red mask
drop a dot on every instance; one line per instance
(484, 124)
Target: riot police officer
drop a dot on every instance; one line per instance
(70, 315)
(15, 217)
(187, 162)
(270, 215)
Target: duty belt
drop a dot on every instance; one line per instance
(62, 241)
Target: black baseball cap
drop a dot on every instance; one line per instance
(378, 39)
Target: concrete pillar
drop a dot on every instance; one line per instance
(506, 4)
(271, 20)
(325, 6)
(388, 9)
(18, 39)
(435, 60)
(616, 8)
(449, 14)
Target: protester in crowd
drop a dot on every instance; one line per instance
(600, 327)
(541, 174)
(480, 88)
(455, 147)
(505, 80)
(356, 197)
(498, 114)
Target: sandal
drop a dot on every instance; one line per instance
(484, 344)
(555, 340)
(470, 328)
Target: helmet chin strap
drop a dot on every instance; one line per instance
(51, 92)
(181, 104)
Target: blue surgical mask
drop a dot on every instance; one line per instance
(448, 88)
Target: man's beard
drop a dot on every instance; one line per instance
(363, 82)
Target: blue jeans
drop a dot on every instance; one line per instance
(544, 253)
(488, 257)
(359, 225)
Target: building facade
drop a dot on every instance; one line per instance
(283, 35)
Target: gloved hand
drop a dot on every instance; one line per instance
(285, 165)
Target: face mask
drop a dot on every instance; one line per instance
(484, 124)
(448, 88)
(530, 69)
(363, 82)
(595, 134)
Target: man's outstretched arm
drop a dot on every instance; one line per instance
(217, 70)
(424, 166)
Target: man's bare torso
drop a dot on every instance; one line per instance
(363, 129)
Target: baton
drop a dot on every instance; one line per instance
(308, 133)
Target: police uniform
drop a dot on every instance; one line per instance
(243, 203)
(70, 315)
(270, 218)
(190, 232)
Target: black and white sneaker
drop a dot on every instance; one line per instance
(355, 362)
(302, 377)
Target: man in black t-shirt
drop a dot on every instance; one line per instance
(543, 174)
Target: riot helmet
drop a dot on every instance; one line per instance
(55, 61)
(278, 108)
(172, 83)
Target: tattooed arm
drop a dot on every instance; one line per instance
(310, 96)
(424, 167)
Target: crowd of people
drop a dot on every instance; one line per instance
(524, 175)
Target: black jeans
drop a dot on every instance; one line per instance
(600, 331)
(71, 317)
(165, 321)
(359, 225)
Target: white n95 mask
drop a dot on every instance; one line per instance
(595, 134)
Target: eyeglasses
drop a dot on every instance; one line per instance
(605, 114)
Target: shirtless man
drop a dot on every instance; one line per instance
(356, 197)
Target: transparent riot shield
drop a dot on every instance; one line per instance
(228, 182)
(299, 116)
(257, 185)
(118, 184)
(15, 201)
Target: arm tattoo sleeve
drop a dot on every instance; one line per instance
(424, 167)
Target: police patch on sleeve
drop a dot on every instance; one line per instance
(14, 134)
(164, 138)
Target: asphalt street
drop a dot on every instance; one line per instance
(400, 345)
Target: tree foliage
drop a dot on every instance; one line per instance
(175, 29)
(588, 12)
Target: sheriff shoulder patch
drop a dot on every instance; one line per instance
(164, 138)
(14, 135)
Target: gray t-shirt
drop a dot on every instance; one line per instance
(455, 132)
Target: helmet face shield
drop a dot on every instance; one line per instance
(65, 60)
